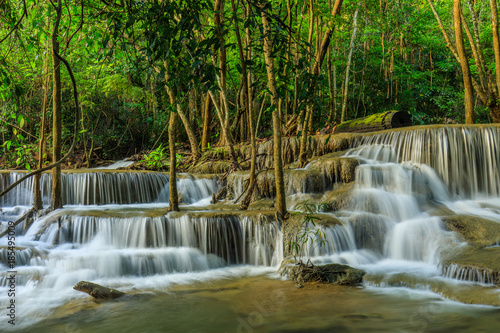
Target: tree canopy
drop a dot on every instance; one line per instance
(138, 63)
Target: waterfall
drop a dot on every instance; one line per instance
(103, 187)
(466, 158)
(115, 228)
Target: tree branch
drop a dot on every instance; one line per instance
(25, 13)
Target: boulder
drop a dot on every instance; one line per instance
(330, 273)
(98, 291)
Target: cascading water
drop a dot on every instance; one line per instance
(115, 228)
(100, 188)
(401, 177)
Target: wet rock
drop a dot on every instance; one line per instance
(477, 231)
(98, 291)
(330, 273)
(472, 264)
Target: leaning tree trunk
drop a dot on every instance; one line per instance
(173, 201)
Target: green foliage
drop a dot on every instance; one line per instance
(123, 51)
(158, 159)
(308, 231)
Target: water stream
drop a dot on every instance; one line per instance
(212, 270)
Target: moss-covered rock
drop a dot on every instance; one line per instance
(331, 273)
(98, 291)
(478, 232)
(474, 262)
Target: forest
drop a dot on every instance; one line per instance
(87, 81)
(249, 165)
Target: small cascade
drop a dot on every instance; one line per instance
(466, 158)
(100, 188)
(470, 274)
(386, 221)
(94, 247)
(419, 239)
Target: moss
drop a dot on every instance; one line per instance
(483, 259)
(331, 273)
(476, 231)
(374, 118)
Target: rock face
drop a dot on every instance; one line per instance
(331, 273)
(476, 231)
(97, 291)
(479, 260)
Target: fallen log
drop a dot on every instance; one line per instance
(97, 291)
(375, 122)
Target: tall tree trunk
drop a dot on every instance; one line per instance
(348, 67)
(278, 163)
(56, 197)
(464, 64)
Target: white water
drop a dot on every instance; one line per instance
(115, 231)
(387, 230)
(100, 188)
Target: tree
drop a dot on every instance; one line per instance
(56, 197)
(271, 79)
(464, 63)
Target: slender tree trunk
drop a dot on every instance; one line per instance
(496, 41)
(348, 67)
(278, 163)
(193, 141)
(464, 64)
(173, 201)
(483, 95)
(246, 93)
(224, 126)
(207, 121)
(483, 80)
(37, 200)
(316, 69)
(56, 197)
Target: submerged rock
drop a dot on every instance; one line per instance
(330, 273)
(98, 291)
